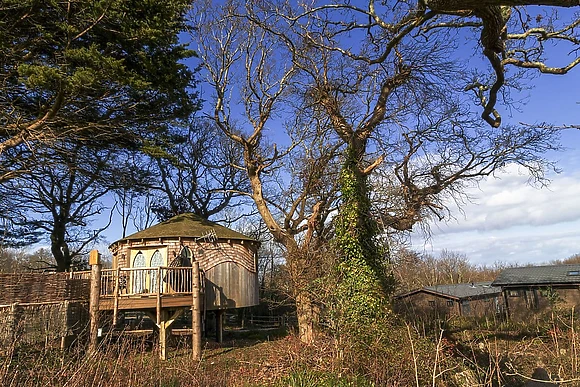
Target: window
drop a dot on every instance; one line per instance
(574, 272)
(139, 276)
(156, 261)
(145, 261)
(513, 293)
(432, 303)
(450, 303)
(185, 257)
(532, 299)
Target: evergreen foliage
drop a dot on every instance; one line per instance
(100, 71)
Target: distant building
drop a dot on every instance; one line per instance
(443, 301)
(528, 291)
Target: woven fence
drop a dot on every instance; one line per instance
(38, 288)
(44, 309)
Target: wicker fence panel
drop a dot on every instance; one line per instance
(38, 288)
(44, 324)
(41, 308)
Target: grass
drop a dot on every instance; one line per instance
(485, 357)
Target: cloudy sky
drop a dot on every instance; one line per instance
(511, 221)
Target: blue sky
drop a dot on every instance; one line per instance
(509, 220)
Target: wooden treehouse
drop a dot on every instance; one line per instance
(185, 263)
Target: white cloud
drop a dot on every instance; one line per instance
(509, 200)
(511, 221)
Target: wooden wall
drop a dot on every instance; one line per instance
(230, 266)
(435, 306)
(230, 285)
(525, 303)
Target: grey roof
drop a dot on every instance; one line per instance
(186, 225)
(539, 275)
(459, 291)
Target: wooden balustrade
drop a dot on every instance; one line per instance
(147, 281)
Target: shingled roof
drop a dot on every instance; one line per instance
(539, 275)
(187, 225)
(458, 291)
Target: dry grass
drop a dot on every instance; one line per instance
(506, 356)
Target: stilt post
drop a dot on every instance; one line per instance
(196, 313)
(95, 262)
(162, 316)
(158, 295)
(116, 297)
(219, 325)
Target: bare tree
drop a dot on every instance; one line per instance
(63, 196)
(292, 186)
(387, 89)
(198, 173)
(414, 270)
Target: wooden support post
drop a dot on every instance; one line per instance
(219, 325)
(196, 313)
(165, 330)
(158, 287)
(116, 298)
(94, 300)
(162, 315)
(14, 324)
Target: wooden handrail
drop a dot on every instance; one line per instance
(130, 281)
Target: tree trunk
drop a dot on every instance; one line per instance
(308, 314)
(59, 248)
(363, 285)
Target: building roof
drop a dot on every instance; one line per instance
(187, 225)
(539, 275)
(458, 291)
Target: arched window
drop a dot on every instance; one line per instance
(185, 257)
(156, 261)
(139, 276)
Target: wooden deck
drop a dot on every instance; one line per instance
(163, 293)
(139, 302)
(145, 288)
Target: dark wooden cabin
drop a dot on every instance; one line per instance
(531, 291)
(445, 301)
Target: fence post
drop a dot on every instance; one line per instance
(195, 313)
(65, 339)
(14, 323)
(95, 262)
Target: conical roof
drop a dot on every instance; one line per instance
(187, 225)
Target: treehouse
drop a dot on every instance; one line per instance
(160, 258)
(185, 263)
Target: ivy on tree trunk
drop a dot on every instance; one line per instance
(364, 285)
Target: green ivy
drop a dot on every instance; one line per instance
(364, 284)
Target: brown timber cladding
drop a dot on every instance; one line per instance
(432, 305)
(525, 303)
(207, 254)
(229, 265)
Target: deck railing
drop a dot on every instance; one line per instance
(144, 281)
